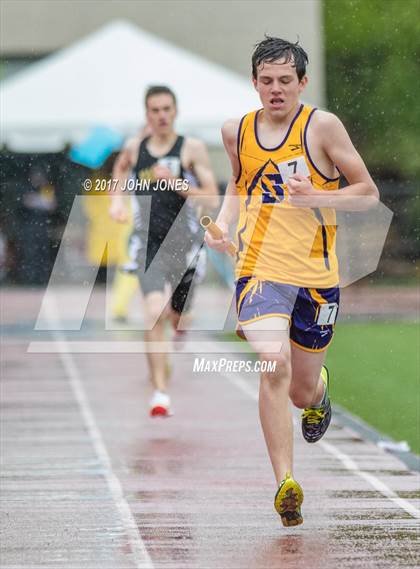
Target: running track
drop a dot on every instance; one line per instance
(89, 481)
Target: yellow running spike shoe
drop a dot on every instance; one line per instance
(316, 420)
(288, 500)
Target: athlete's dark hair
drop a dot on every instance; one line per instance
(272, 49)
(158, 90)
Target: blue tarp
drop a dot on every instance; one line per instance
(94, 150)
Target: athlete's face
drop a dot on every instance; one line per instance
(161, 113)
(278, 86)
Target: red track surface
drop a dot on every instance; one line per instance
(83, 461)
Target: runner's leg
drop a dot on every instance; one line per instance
(307, 387)
(154, 307)
(275, 413)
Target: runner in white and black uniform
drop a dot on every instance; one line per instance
(164, 158)
(152, 226)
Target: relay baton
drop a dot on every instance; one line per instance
(208, 224)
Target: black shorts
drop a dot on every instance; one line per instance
(179, 273)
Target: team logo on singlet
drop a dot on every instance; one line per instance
(269, 179)
(272, 178)
(147, 174)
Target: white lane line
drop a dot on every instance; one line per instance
(348, 462)
(140, 555)
(373, 480)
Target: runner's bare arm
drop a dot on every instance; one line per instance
(207, 194)
(230, 207)
(360, 194)
(124, 163)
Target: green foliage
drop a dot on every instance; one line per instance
(375, 374)
(372, 51)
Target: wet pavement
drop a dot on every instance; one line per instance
(90, 481)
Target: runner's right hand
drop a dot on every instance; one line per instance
(220, 245)
(118, 210)
(162, 172)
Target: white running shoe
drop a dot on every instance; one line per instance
(160, 405)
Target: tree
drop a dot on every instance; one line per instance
(372, 51)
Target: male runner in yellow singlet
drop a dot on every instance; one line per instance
(286, 162)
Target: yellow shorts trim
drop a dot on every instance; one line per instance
(316, 296)
(239, 331)
(271, 315)
(305, 349)
(250, 284)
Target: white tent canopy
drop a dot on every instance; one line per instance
(101, 80)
